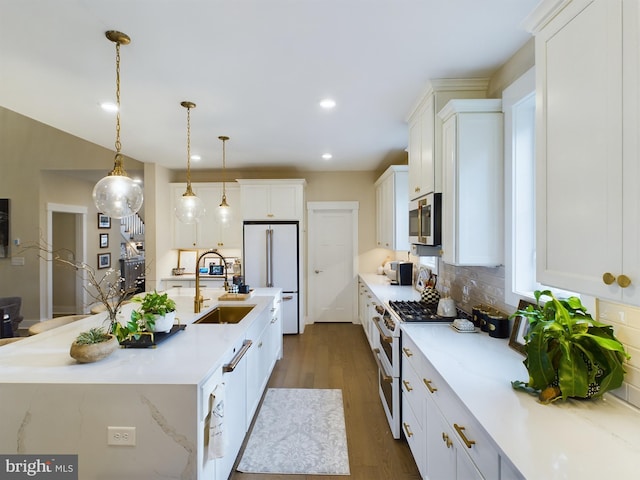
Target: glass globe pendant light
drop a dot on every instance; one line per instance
(117, 195)
(189, 208)
(224, 212)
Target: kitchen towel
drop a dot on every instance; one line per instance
(217, 434)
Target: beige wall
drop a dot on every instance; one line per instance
(30, 152)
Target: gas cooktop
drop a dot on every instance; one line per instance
(415, 311)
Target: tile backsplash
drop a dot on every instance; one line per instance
(469, 286)
(625, 320)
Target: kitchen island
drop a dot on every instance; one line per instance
(53, 405)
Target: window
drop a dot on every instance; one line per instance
(518, 104)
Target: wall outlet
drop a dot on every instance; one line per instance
(121, 436)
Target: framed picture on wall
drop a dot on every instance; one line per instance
(104, 240)
(104, 221)
(104, 260)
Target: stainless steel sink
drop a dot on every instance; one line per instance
(226, 314)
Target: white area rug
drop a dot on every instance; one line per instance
(298, 431)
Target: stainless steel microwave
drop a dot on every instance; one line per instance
(425, 220)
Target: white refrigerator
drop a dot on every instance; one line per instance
(271, 256)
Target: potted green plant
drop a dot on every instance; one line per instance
(157, 313)
(93, 345)
(568, 353)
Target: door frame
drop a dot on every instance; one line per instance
(312, 209)
(46, 268)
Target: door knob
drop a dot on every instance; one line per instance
(318, 271)
(608, 278)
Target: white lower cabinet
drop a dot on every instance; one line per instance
(367, 311)
(413, 413)
(446, 441)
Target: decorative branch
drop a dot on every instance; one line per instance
(106, 287)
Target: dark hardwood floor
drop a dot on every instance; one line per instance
(337, 355)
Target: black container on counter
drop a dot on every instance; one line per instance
(484, 318)
(476, 315)
(243, 288)
(498, 325)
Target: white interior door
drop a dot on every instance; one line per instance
(333, 240)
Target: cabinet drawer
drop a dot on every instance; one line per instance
(472, 437)
(413, 391)
(412, 355)
(414, 434)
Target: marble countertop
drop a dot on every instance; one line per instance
(565, 440)
(186, 358)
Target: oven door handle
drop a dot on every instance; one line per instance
(384, 337)
(385, 378)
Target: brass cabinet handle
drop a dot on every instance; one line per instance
(624, 281)
(407, 352)
(270, 215)
(407, 385)
(407, 430)
(417, 189)
(428, 385)
(447, 440)
(464, 438)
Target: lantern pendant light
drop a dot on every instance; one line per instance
(224, 211)
(117, 195)
(189, 208)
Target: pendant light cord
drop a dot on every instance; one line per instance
(118, 167)
(189, 148)
(118, 144)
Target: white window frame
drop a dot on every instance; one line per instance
(520, 262)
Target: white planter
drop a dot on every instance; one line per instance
(164, 322)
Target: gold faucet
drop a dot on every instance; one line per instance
(198, 300)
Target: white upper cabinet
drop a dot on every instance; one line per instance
(425, 173)
(392, 209)
(272, 199)
(209, 232)
(473, 185)
(588, 200)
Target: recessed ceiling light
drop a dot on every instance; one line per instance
(327, 156)
(196, 158)
(328, 103)
(109, 107)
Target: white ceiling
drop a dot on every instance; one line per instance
(255, 68)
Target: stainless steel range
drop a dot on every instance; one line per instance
(387, 351)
